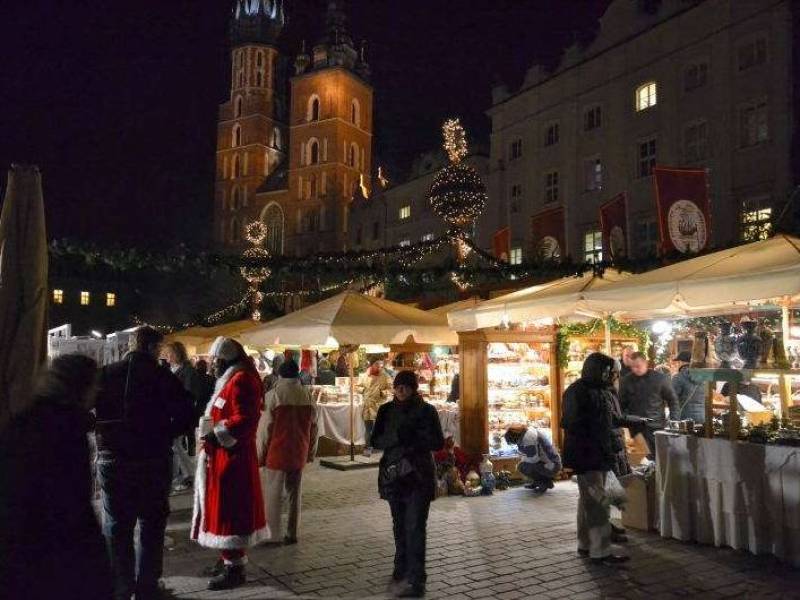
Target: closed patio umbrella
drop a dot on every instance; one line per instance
(23, 289)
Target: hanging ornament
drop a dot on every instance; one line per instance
(458, 194)
(255, 233)
(255, 275)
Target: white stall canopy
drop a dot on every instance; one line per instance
(353, 318)
(559, 299)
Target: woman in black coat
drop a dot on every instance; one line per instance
(408, 430)
(591, 445)
(54, 548)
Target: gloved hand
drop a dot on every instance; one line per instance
(210, 441)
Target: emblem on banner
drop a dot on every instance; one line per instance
(687, 226)
(549, 248)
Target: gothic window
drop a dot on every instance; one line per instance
(259, 59)
(355, 113)
(236, 202)
(313, 186)
(237, 135)
(239, 103)
(353, 154)
(313, 152)
(313, 108)
(259, 79)
(237, 167)
(272, 217)
(236, 234)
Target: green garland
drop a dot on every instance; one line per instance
(596, 328)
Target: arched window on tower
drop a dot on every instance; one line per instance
(236, 233)
(353, 156)
(236, 202)
(355, 113)
(239, 104)
(275, 142)
(313, 108)
(237, 166)
(237, 136)
(313, 152)
(272, 217)
(313, 186)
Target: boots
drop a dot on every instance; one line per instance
(231, 577)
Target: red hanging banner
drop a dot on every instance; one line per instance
(683, 210)
(547, 230)
(614, 224)
(501, 243)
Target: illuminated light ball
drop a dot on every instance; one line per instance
(458, 194)
(255, 232)
(255, 275)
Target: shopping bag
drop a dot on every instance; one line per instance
(614, 492)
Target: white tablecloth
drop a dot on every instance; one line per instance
(333, 421)
(746, 496)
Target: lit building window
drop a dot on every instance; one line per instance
(428, 237)
(84, 298)
(592, 174)
(752, 54)
(515, 258)
(592, 118)
(646, 96)
(593, 246)
(647, 157)
(754, 126)
(552, 135)
(756, 222)
(516, 149)
(405, 212)
(111, 299)
(551, 187)
(404, 243)
(313, 109)
(695, 140)
(58, 296)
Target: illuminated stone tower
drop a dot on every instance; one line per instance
(251, 133)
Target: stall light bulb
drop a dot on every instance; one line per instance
(661, 327)
(97, 334)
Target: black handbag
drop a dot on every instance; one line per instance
(397, 470)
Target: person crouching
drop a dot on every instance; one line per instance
(228, 506)
(540, 460)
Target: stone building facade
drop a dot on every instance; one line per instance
(292, 149)
(704, 84)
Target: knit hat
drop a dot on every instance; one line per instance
(227, 349)
(289, 370)
(407, 378)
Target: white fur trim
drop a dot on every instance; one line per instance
(220, 385)
(233, 542)
(224, 435)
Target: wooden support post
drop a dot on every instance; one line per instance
(352, 408)
(709, 425)
(785, 391)
(733, 416)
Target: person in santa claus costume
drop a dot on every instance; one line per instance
(228, 505)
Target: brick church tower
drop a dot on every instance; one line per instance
(298, 180)
(252, 123)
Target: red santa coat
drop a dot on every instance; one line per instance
(228, 507)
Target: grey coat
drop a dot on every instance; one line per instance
(690, 401)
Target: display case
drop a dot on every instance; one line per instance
(581, 347)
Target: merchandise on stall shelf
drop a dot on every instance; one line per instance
(766, 347)
(472, 486)
(725, 345)
(749, 344)
(488, 480)
(519, 390)
(700, 350)
(503, 480)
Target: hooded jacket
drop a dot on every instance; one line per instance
(690, 401)
(590, 443)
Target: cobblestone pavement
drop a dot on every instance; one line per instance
(507, 546)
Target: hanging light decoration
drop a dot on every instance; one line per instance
(458, 194)
(255, 232)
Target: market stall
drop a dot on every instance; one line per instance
(347, 321)
(516, 350)
(198, 339)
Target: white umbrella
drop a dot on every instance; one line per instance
(23, 289)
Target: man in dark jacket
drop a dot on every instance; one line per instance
(690, 395)
(141, 409)
(646, 393)
(409, 431)
(590, 447)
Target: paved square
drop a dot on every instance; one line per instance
(510, 545)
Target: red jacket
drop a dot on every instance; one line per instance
(288, 429)
(229, 507)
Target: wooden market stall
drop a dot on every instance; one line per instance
(347, 321)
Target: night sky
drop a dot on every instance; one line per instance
(117, 101)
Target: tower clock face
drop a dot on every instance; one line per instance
(687, 226)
